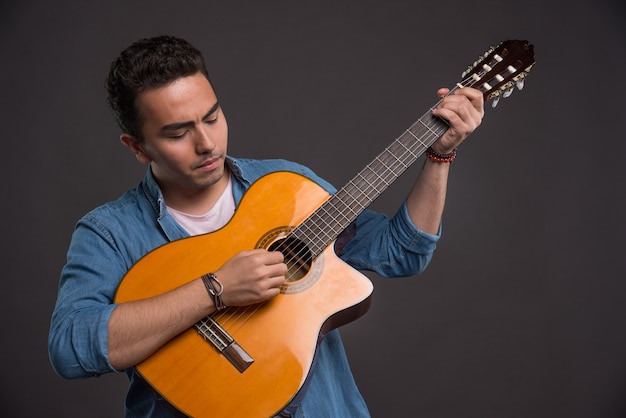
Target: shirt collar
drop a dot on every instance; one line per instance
(155, 196)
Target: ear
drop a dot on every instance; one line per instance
(136, 148)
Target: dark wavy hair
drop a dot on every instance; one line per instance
(148, 63)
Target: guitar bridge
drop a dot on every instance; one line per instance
(226, 345)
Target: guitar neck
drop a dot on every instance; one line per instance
(495, 74)
(326, 223)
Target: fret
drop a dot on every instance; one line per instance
(397, 159)
(318, 230)
(416, 137)
(388, 161)
(349, 201)
(428, 127)
(409, 149)
(377, 175)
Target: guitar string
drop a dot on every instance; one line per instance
(237, 317)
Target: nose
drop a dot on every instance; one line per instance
(204, 143)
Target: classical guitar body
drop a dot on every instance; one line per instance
(280, 336)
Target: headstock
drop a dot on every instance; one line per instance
(500, 70)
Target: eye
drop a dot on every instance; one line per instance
(212, 118)
(179, 136)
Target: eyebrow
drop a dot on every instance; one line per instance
(180, 125)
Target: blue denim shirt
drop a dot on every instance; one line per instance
(111, 238)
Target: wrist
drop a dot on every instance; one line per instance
(215, 289)
(441, 148)
(438, 157)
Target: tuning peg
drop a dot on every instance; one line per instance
(507, 93)
(520, 84)
(495, 102)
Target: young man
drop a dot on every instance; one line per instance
(170, 117)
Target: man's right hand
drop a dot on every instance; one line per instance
(251, 277)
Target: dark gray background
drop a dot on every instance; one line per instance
(521, 312)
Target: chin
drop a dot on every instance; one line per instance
(211, 180)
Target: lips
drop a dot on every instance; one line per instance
(209, 164)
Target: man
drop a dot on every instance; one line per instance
(170, 117)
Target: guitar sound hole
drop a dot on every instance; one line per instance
(297, 257)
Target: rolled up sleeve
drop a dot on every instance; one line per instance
(78, 339)
(391, 247)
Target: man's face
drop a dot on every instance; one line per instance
(185, 135)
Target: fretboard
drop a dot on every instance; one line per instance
(324, 225)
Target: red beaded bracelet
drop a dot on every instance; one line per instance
(440, 158)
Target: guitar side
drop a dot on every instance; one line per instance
(280, 335)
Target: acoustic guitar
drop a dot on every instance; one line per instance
(251, 361)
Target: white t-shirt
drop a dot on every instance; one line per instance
(211, 221)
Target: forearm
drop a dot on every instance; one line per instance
(138, 329)
(463, 111)
(426, 199)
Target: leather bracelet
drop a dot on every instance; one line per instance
(209, 281)
(440, 158)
